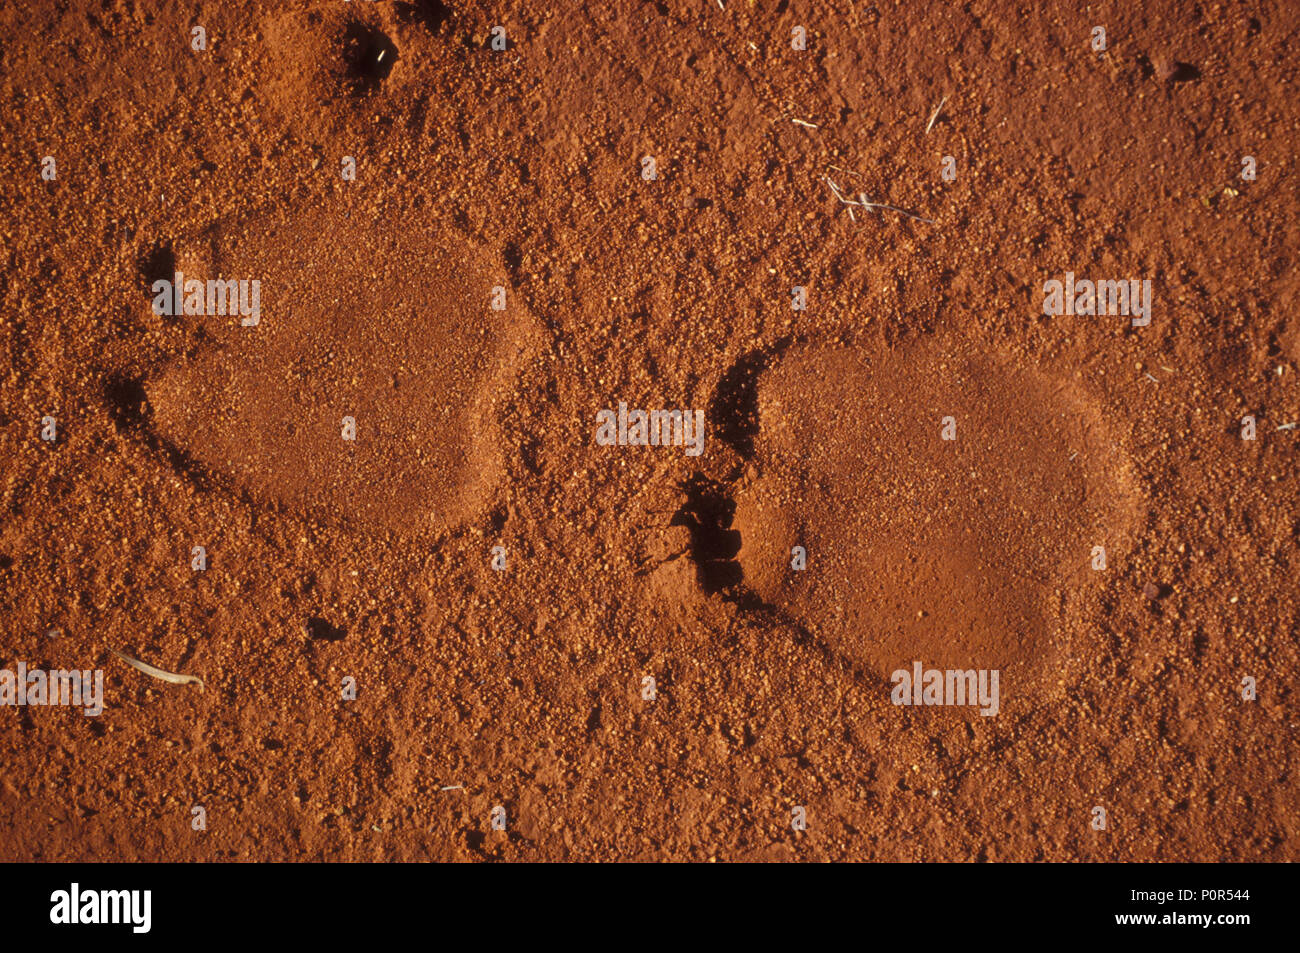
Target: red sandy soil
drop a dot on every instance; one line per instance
(522, 688)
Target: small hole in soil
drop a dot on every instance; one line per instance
(369, 56)
(126, 401)
(318, 628)
(513, 257)
(157, 264)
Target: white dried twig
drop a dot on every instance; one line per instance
(872, 206)
(935, 115)
(836, 189)
(170, 677)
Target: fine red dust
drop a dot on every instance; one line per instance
(371, 560)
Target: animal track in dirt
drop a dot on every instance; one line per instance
(391, 326)
(969, 553)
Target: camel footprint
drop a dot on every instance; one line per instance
(386, 321)
(961, 554)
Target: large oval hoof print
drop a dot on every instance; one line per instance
(370, 381)
(943, 503)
